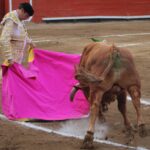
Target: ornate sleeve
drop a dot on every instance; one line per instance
(28, 39)
(5, 39)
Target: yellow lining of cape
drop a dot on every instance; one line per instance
(31, 55)
(6, 63)
(30, 58)
(23, 119)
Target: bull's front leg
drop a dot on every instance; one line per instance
(95, 99)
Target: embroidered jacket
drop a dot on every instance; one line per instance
(14, 40)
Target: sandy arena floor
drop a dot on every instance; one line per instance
(71, 38)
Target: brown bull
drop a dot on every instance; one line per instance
(106, 72)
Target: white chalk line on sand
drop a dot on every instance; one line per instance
(143, 101)
(120, 45)
(117, 35)
(133, 44)
(41, 41)
(113, 35)
(127, 34)
(47, 130)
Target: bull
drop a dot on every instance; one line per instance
(105, 73)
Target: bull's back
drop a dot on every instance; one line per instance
(96, 58)
(95, 55)
(127, 74)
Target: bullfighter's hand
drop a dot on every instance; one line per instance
(32, 45)
(10, 62)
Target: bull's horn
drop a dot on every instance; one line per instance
(73, 91)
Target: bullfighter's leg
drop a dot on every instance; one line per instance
(134, 92)
(95, 98)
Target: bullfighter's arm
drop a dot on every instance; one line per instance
(5, 39)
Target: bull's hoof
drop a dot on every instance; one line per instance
(142, 130)
(130, 133)
(87, 145)
(102, 118)
(88, 141)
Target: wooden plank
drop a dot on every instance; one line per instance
(2, 9)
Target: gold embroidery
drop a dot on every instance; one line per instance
(14, 39)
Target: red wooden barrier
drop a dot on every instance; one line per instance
(2, 8)
(74, 8)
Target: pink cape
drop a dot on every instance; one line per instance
(42, 91)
